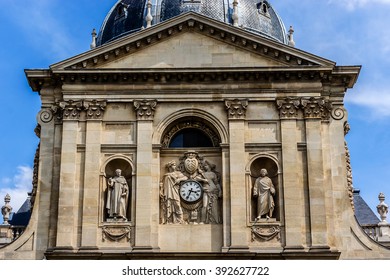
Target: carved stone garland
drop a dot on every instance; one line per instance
(349, 168)
(116, 233)
(265, 233)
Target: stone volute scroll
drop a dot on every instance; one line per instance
(117, 198)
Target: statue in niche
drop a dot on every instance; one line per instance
(264, 191)
(210, 213)
(117, 197)
(169, 194)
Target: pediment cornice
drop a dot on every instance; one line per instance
(192, 22)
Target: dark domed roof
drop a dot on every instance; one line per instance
(128, 16)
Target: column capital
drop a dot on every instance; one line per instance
(95, 109)
(236, 108)
(288, 108)
(145, 109)
(316, 108)
(71, 109)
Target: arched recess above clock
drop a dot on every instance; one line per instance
(190, 132)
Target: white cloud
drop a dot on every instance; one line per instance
(17, 187)
(353, 4)
(376, 101)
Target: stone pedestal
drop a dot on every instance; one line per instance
(5, 234)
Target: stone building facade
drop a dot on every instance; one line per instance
(194, 137)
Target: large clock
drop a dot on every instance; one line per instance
(191, 191)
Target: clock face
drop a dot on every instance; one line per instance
(191, 191)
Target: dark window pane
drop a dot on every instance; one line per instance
(190, 138)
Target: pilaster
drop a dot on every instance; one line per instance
(94, 114)
(146, 218)
(236, 110)
(293, 191)
(314, 110)
(68, 204)
(48, 133)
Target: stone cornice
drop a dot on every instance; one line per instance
(344, 79)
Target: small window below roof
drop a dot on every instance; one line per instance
(262, 8)
(121, 11)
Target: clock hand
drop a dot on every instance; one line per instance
(189, 193)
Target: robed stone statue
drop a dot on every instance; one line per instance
(117, 197)
(264, 191)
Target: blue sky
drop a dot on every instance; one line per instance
(36, 34)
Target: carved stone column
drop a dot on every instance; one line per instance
(94, 115)
(292, 187)
(68, 204)
(236, 110)
(147, 217)
(314, 109)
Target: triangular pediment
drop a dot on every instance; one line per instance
(192, 41)
(190, 50)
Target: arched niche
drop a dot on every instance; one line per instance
(108, 171)
(270, 163)
(199, 133)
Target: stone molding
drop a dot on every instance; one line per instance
(145, 109)
(236, 109)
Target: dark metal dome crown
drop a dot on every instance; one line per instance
(128, 16)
